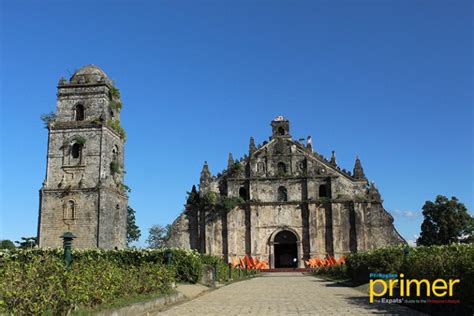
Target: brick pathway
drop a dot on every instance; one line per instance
(284, 294)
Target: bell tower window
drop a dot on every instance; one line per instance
(76, 151)
(282, 194)
(79, 112)
(280, 126)
(115, 153)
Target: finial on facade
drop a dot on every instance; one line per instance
(333, 158)
(205, 179)
(309, 143)
(205, 170)
(252, 147)
(374, 194)
(62, 81)
(358, 170)
(230, 161)
(205, 175)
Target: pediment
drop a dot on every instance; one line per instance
(316, 163)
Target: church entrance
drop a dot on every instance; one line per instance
(286, 250)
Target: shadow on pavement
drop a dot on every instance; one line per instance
(378, 308)
(363, 301)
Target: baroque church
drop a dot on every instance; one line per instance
(289, 204)
(282, 202)
(83, 191)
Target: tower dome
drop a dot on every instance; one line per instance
(89, 74)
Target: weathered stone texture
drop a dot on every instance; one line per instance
(287, 187)
(81, 192)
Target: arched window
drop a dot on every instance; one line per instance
(281, 131)
(69, 210)
(76, 151)
(115, 153)
(281, 167)
(243, 193)
(282, 194)
(323, 192)
(79, 112)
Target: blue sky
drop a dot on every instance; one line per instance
(390, 81)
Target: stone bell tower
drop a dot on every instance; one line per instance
(83, 191)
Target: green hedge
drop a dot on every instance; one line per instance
(187, 264)
(335, 271)
(43, 284)
(222, 269)
(36, 280)
(454, 261)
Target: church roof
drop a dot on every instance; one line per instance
(89, 73)
(301, 149)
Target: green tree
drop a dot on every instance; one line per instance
(158, 235)
(133, 231)
(48, 118)
(446, 221)
(7, 244)
(27, 242)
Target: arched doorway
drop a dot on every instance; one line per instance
(286, 249)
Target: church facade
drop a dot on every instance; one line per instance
(83, 191)
(284, 203)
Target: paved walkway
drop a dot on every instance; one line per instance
(284, 294)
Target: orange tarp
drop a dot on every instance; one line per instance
(249, 262)
(328, 261)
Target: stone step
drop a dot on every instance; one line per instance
(286, 270)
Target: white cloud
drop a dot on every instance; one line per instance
(407, 214)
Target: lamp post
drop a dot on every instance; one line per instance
(406, 251)
(67, 245)
(169, 257)
(229, 272)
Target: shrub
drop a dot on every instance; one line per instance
(42, 283)
(338, 271)
(455, 261)
(36, 281)
(115, 125)
(187, 265)
(221, 267)
(48, 118)
(386, 260)
(115, 167)
(114, 93)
